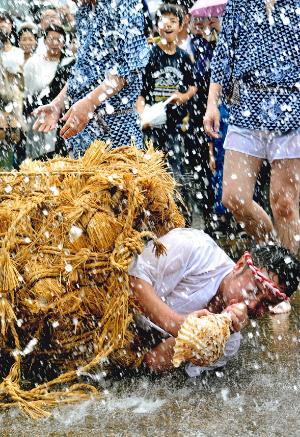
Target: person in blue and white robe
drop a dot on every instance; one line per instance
(106, 79)
(257, 64)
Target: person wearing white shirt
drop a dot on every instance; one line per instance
(11, 91)
(39, 71)
(196, 276)
(49, 17)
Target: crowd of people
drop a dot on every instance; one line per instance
(36, 55)
(138, 70)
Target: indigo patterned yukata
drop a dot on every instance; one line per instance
(111, 40)
(260, 53)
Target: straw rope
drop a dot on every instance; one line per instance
(68, 232)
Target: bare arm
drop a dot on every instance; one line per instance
(60, 99)
(154, 308)
(140, 104)
(108, 88)
(212, 116)
(181, 98)
(82, 111)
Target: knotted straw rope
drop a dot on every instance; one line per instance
(68, 232)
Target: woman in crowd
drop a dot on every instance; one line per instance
(11, 91)
(28, 37)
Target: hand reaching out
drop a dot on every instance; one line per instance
(77, 117)
(47, 117)
(179, 98)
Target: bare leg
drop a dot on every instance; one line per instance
(159, 359)
(240, 174)
(284, 199)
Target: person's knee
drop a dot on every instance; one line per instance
(235, 201)
(285, 204)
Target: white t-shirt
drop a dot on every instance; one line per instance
(38, 73)
(186, 278)
(13, 60)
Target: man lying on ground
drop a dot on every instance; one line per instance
(196, 276)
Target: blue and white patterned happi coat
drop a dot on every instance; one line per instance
(111, 40)
(263, 53)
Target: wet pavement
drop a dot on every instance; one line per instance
(256, 394)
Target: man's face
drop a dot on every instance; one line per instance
(54, 42)
(50, 17)
(169, 27)
(245, 288)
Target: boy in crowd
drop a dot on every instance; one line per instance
(169, 73)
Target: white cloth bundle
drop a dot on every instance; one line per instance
(155, 115)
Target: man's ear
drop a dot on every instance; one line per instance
(239, 266)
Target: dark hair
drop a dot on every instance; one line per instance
(5, 16)
(185, 5)
(169, 9)
(55, 28)
(279, 260)
(28, 28)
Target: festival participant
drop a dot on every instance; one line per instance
(196, 276)
(256, 64)
(106, 79)
(169, 74)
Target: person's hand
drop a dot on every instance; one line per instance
(239, 315)
(47, 117)
(200, 313)
(212, 120)
(179, 98)
(77, 117)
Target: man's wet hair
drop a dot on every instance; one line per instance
(279, 260)
(169, 9)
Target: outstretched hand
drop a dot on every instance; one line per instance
(77, 117)
(47, 117)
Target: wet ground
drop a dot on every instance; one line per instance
(256, 394)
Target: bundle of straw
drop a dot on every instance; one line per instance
(68, 232)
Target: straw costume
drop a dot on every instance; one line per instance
(68, 232)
